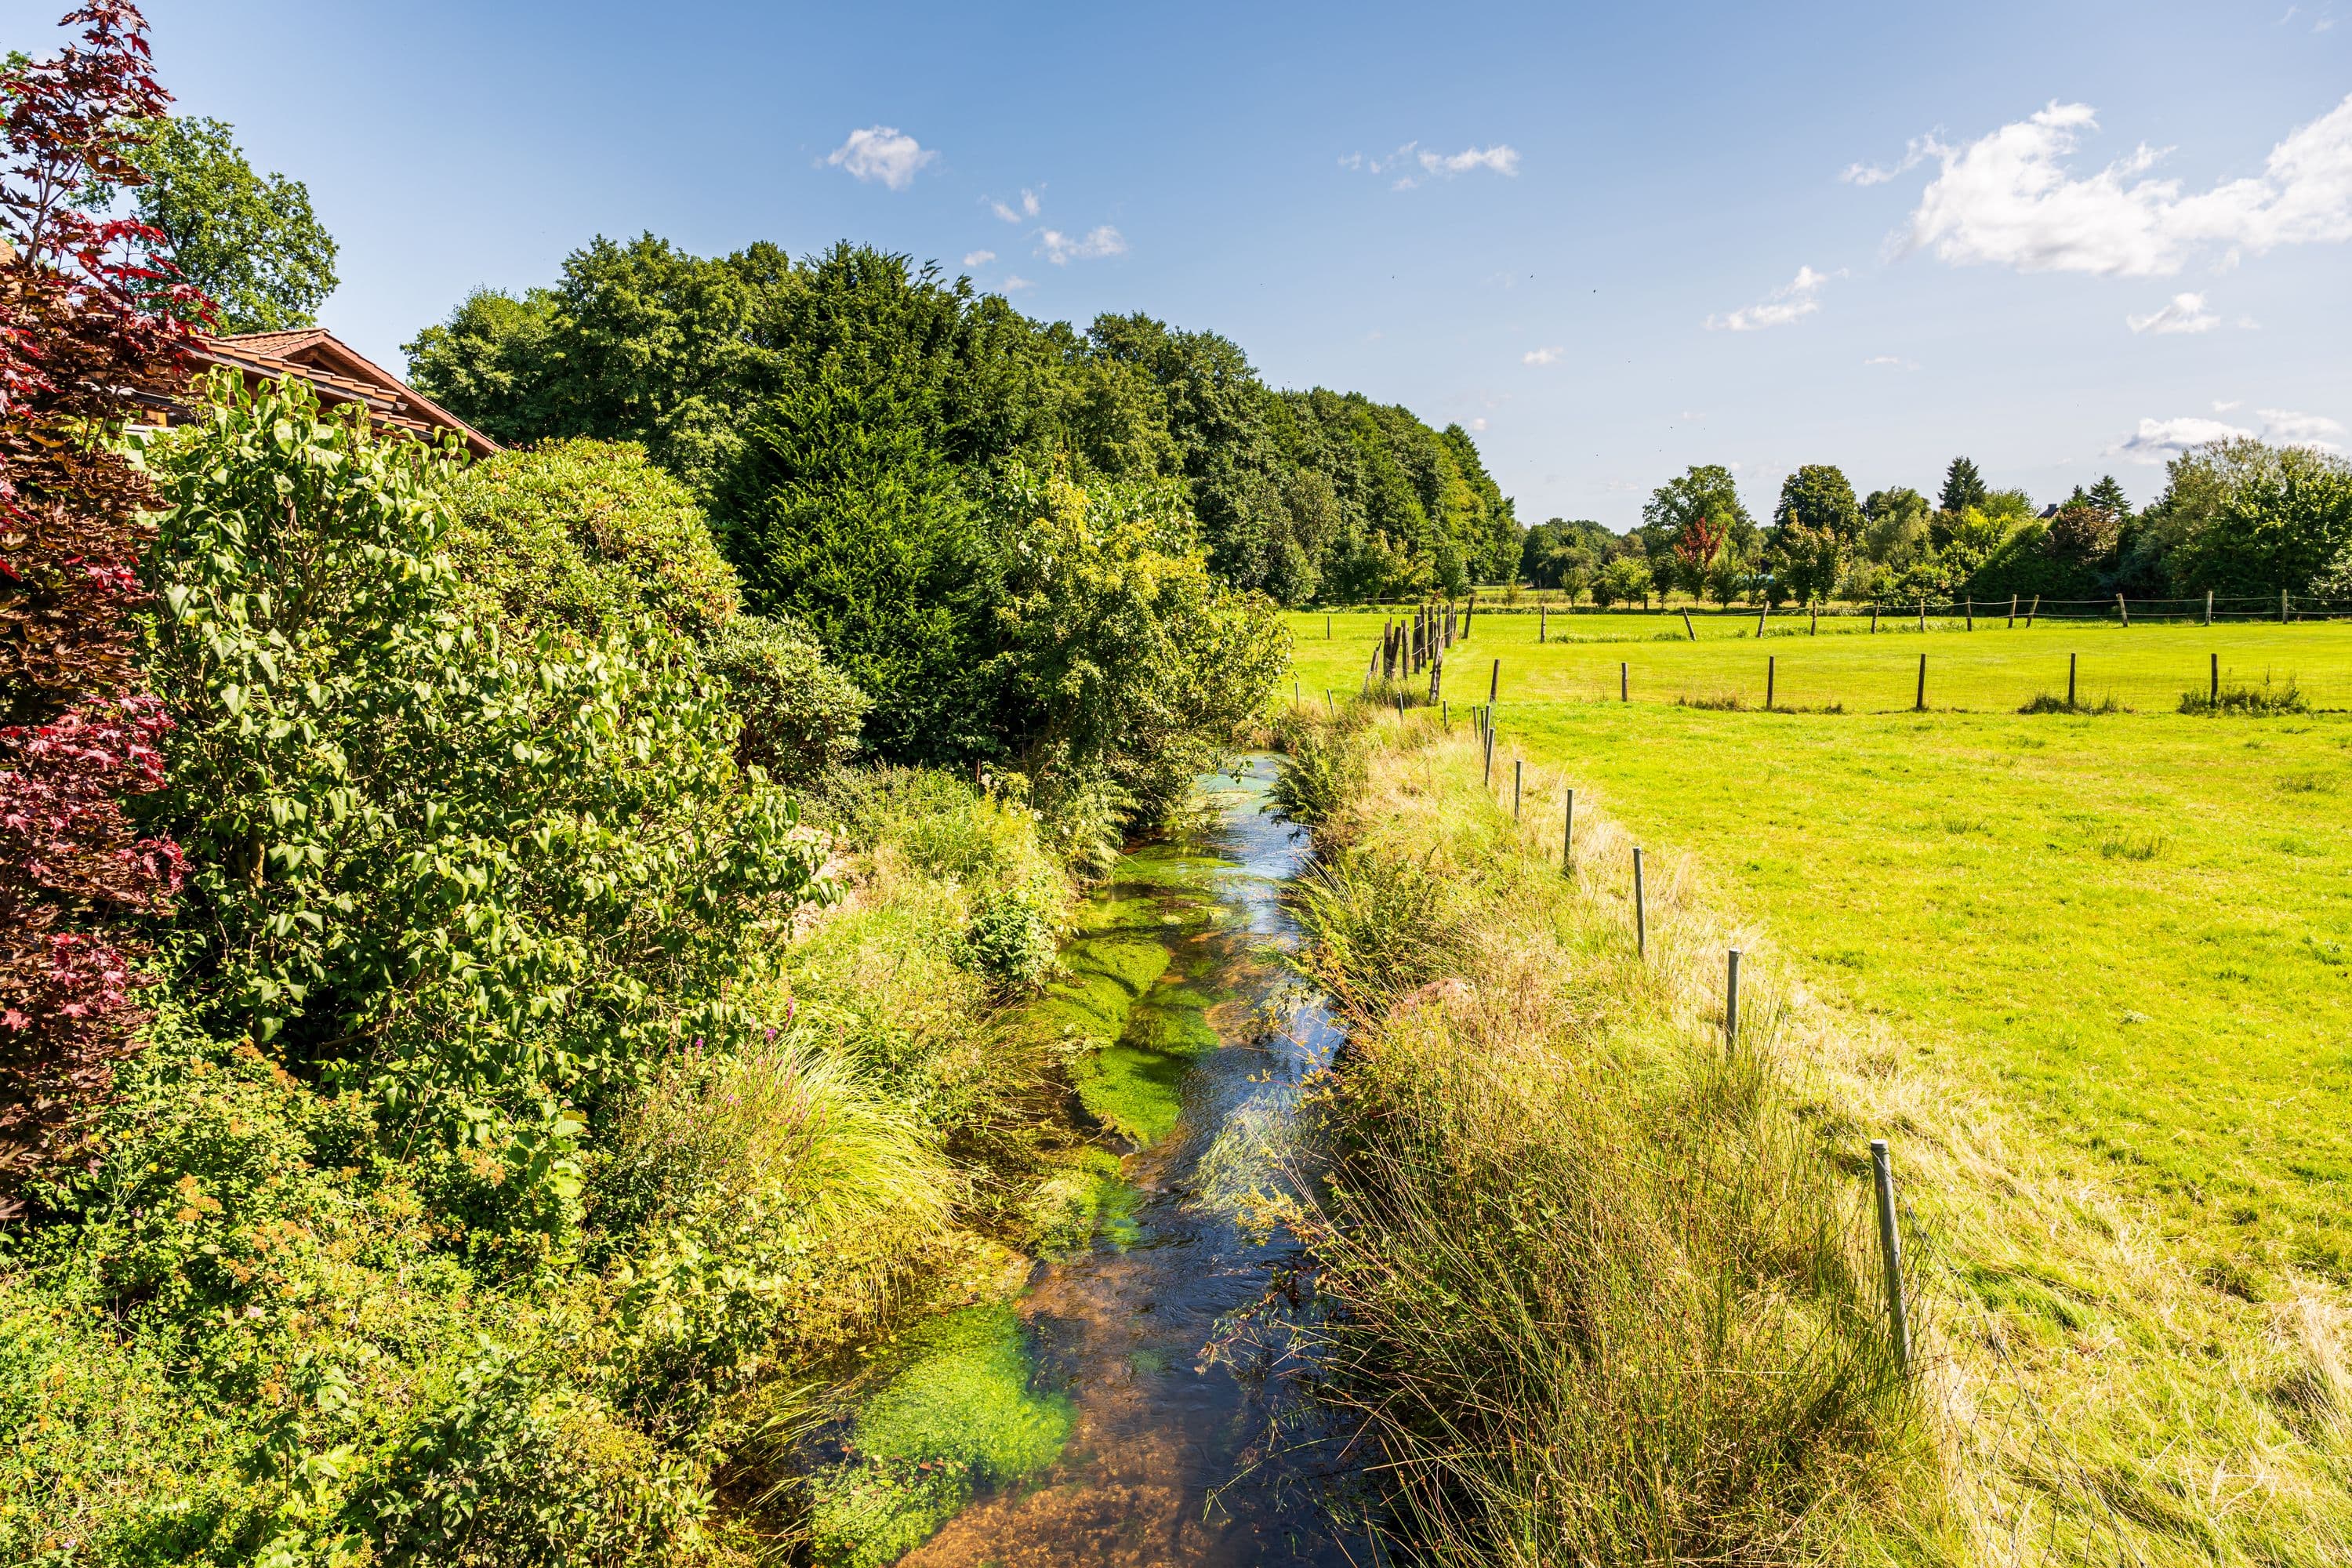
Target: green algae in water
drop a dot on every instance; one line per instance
(1093, 1196)
(959, 1414)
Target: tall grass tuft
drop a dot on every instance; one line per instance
(1596, 1290)
(2257, 700)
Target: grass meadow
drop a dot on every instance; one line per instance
(2092, 972)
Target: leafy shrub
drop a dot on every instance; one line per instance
(2047, 702)
(1322, 771)
(481, 880)
(1123, 656)
(1010, 938)
(801, 715)
(587, 537)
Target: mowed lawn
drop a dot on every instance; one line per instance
(2137, 927)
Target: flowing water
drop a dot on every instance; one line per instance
(1175, 1456)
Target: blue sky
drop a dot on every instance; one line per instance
(1612, 241)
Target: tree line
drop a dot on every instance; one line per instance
(2237, 517)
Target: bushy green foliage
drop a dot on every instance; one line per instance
(1322, 771)
(1123, 654)
(801, 714)
(586, 537)
(2240, 517)
(490, 882)
(770, 387)
(252, 244)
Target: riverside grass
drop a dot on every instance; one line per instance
(2110, 1372)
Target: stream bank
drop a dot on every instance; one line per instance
(1163, 1451)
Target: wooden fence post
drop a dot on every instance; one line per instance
(2031, 613)
(1543, 623)
(2208, 606)
(1624, 682)
(2213, 688)
(1923, 615)
(1972, 614)
(1495, 682)
(1487, 777)
(1874, 620)
(2070, 679)
(1763, 611)
(1641, 915)
(2281, 606)
(2013, 612)
(1816, 630)
(1731, 998)
(1920, 705)
(2122, 611)
(1771, 668)
(1890, 1248)
(1518, 780)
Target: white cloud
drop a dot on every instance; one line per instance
(1014, 283)
(1028, 208)
(881, 152)
(2187, 313)
(1478, 426)
(1897, 361)
(978, 258)
(1541, 356)
(1800, 298)
(2008, 199)
(2292, 430)
(2221, 407)
(1061, 249)
(1500, 158)
(1914, 154)
(2159, 440)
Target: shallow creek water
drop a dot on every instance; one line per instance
(1173, 1457)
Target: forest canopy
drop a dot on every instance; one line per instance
(742, 373)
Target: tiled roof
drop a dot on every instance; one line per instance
(342, 375)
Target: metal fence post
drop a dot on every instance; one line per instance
(1568, 836)
(1731, 998)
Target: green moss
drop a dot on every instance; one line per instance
(959, 1414)
(1070, 1207)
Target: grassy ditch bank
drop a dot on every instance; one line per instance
(1606, 1288)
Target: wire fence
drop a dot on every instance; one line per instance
(2212, 609)
(1895, 682)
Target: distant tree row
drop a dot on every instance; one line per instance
(746, 372)
(2236, 518)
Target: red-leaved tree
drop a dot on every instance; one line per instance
(1696, 548)
(90, 334)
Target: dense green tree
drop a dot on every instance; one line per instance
(2110, 496)
(251, 242)
(1818, 496)
(1963, 487)
(1704, 491)
(2243, 517)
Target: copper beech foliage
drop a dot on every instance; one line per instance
(92, 328)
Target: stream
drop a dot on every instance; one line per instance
(1174, 1455)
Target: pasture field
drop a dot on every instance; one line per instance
(2133, 928)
